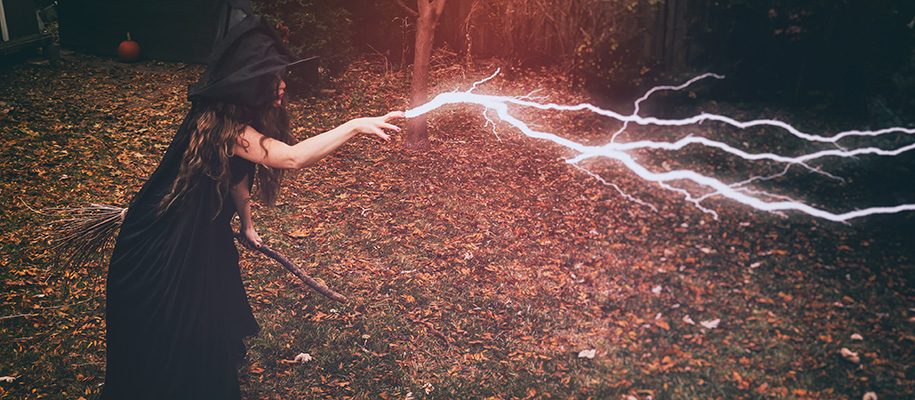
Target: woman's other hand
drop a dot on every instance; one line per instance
(377, 125)
(252, 239)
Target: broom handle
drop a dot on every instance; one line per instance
(297, 271)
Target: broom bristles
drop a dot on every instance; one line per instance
(79, 235)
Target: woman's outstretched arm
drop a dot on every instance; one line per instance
(276, 154)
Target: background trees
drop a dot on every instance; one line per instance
(854, 56)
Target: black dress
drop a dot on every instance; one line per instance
(176, 306)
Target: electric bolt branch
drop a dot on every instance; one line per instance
(739, 191)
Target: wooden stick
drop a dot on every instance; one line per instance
(297, 271)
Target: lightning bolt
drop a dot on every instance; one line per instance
(738, 192)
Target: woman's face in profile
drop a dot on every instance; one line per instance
(280, 92)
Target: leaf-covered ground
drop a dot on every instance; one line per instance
(486, 268)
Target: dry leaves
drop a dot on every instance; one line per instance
(475, 270)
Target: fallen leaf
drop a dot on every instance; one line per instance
(688, 320)
(712, 324)
(587, 353)
(857, 337)
(8, 378)
(870, 396)
(849, 355)
(299, 233)
(303, 358)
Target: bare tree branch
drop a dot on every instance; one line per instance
(413, 13)
(437, 6)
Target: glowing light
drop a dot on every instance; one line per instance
(736, 191)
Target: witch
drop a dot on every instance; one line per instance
(176, 305)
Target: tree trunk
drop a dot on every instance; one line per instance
(417, 137)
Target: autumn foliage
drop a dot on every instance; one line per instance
(485, 268)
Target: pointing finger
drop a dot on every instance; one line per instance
(394, 114)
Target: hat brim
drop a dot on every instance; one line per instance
(301, 63)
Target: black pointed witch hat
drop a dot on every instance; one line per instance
(247, 61)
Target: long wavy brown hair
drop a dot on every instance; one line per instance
(215, 129)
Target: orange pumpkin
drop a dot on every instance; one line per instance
(128, 50)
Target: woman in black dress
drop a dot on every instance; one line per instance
(176, 306)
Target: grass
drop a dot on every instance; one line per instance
(480, 269)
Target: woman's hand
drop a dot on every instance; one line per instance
(252, 240)
(377, 125)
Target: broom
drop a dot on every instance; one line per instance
(78, 234)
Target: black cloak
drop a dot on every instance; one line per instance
(176, 305)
